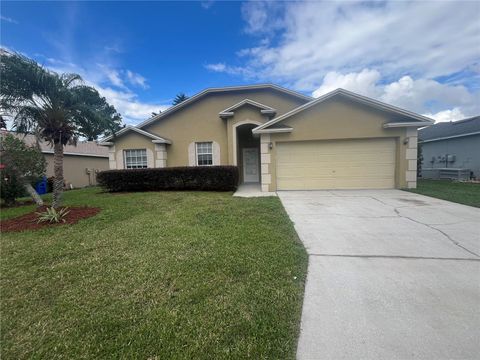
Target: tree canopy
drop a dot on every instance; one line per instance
(180, 97)
(58, 108)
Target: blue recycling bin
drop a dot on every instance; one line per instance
(41, 186)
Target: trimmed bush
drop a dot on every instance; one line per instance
(200, 178)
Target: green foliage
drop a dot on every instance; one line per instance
(419, 160)
(52, 215)
(167, 275)
(199, 178)
(459, 192)
(57, 108)
(22, 164)
(27, 162)
(180, 97)
(11, 187)
(60, 108)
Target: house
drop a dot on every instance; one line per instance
(279, 138)
(81, 162)
(451, 149)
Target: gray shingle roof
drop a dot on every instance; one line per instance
(83, 148)
(453, 128)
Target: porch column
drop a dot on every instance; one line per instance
(160, 155)
(265, 161)
(112, 162)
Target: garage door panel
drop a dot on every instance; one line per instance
(342, 164)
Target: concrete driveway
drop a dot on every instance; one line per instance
(392, 275)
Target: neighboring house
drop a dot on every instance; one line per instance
(450, 149)
(279, 138)
(81, 163)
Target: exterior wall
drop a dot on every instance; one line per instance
(133, 140)
(466, 150)
(200, 122)
(74, 169)
(343, 119)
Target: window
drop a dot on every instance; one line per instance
(136, 159)
(204, 153)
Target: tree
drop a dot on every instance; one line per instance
(180, 97)
(419, 160)
(22, 166)
(58, 108)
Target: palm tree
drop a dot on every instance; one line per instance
(180, 97)
(57, 108)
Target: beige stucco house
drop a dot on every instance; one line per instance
(81, 162)
(280, 139)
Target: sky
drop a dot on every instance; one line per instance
(423, 56)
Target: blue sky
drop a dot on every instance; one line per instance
(423, 56)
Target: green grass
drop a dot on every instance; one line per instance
(462, 193)
(164, 275)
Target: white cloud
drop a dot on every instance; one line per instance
(394, 37)
(136, 79)
(7, 19)
(422, 96)
(207, 4)
(113, 76)
(127, 103)
(364, 82)
(447, 115)
(395, 51)
(263, 17)
(231, 70)
(104, 79)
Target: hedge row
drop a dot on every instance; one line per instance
(201, 178)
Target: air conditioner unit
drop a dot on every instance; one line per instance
(433, 159)
(451, 158)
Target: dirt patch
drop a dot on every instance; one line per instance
(29, 221)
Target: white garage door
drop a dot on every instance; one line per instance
(338, 164)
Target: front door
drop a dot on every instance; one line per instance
(250, 165)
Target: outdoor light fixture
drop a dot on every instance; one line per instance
(270, 145)
(405, 142)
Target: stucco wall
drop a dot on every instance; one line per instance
(200, 122)
(132, 140)
(345, 119)
(74, 168)
(466, 150)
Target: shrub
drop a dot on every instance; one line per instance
(52, 216)
(10, 187)
(201, 178)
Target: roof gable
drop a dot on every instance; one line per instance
(417, 120)
(155, 138)
(264, 109)
(208, 91)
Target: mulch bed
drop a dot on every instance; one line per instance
(29, 221)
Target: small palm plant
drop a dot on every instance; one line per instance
(52, 215)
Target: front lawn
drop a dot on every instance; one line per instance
(463, 193)
(166, 275)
